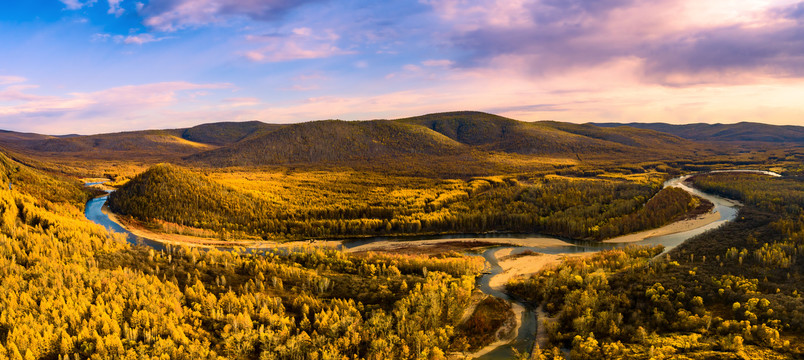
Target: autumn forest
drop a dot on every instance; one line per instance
(444, 236)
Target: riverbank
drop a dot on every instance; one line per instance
(139, 230)
(672, 228)
(403, 246)
(390, 245)
(525, 264)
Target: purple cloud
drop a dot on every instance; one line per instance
(675, 41)
(776, 52)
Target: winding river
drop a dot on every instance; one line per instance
(528, 323)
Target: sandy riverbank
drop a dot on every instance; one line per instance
(401, 244)
(672, 228)
(525, 264)
(186, 240)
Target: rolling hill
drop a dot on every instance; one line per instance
(497, 133)
(333, 141)
(149, 144)
(226, 133)
(739, 132)
(471, 135)
(158, 145)
(454, 140)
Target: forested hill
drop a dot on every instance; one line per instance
(186, 201)
(150, 145)
(333, 141)
(227, 133)
(139, 145)
(744, 131)
(497, 133)
(71, 290)
(444, 138)
(467, 134)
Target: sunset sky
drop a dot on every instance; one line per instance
(91, 66)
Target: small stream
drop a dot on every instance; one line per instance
(527, 331)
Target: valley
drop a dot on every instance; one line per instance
(446, 235)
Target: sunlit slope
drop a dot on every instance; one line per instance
(45, 188)
(334, 141)
(181, 196)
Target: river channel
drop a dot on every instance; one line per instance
(527, 330)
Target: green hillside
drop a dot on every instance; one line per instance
(333, 141)
(456, 140)
(226, 133)
(496, 133)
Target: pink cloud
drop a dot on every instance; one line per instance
(678, 40)
(126, 107)
(301, 43)
(241, 102)
(7, 79)
(138, 39)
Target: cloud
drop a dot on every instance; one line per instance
(733, 53)
(438, 63)
(138, 39)
(676, 40)
(124, 107)
(77, 4)
(171, 15)
(115, 8)
(133, 39)
(300, 43)
(8, 79)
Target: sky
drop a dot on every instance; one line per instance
(96, 66)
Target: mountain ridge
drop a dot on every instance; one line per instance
(742, 131)
(473, 136)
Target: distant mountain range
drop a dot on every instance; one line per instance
(744, 131)
(470, 136)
